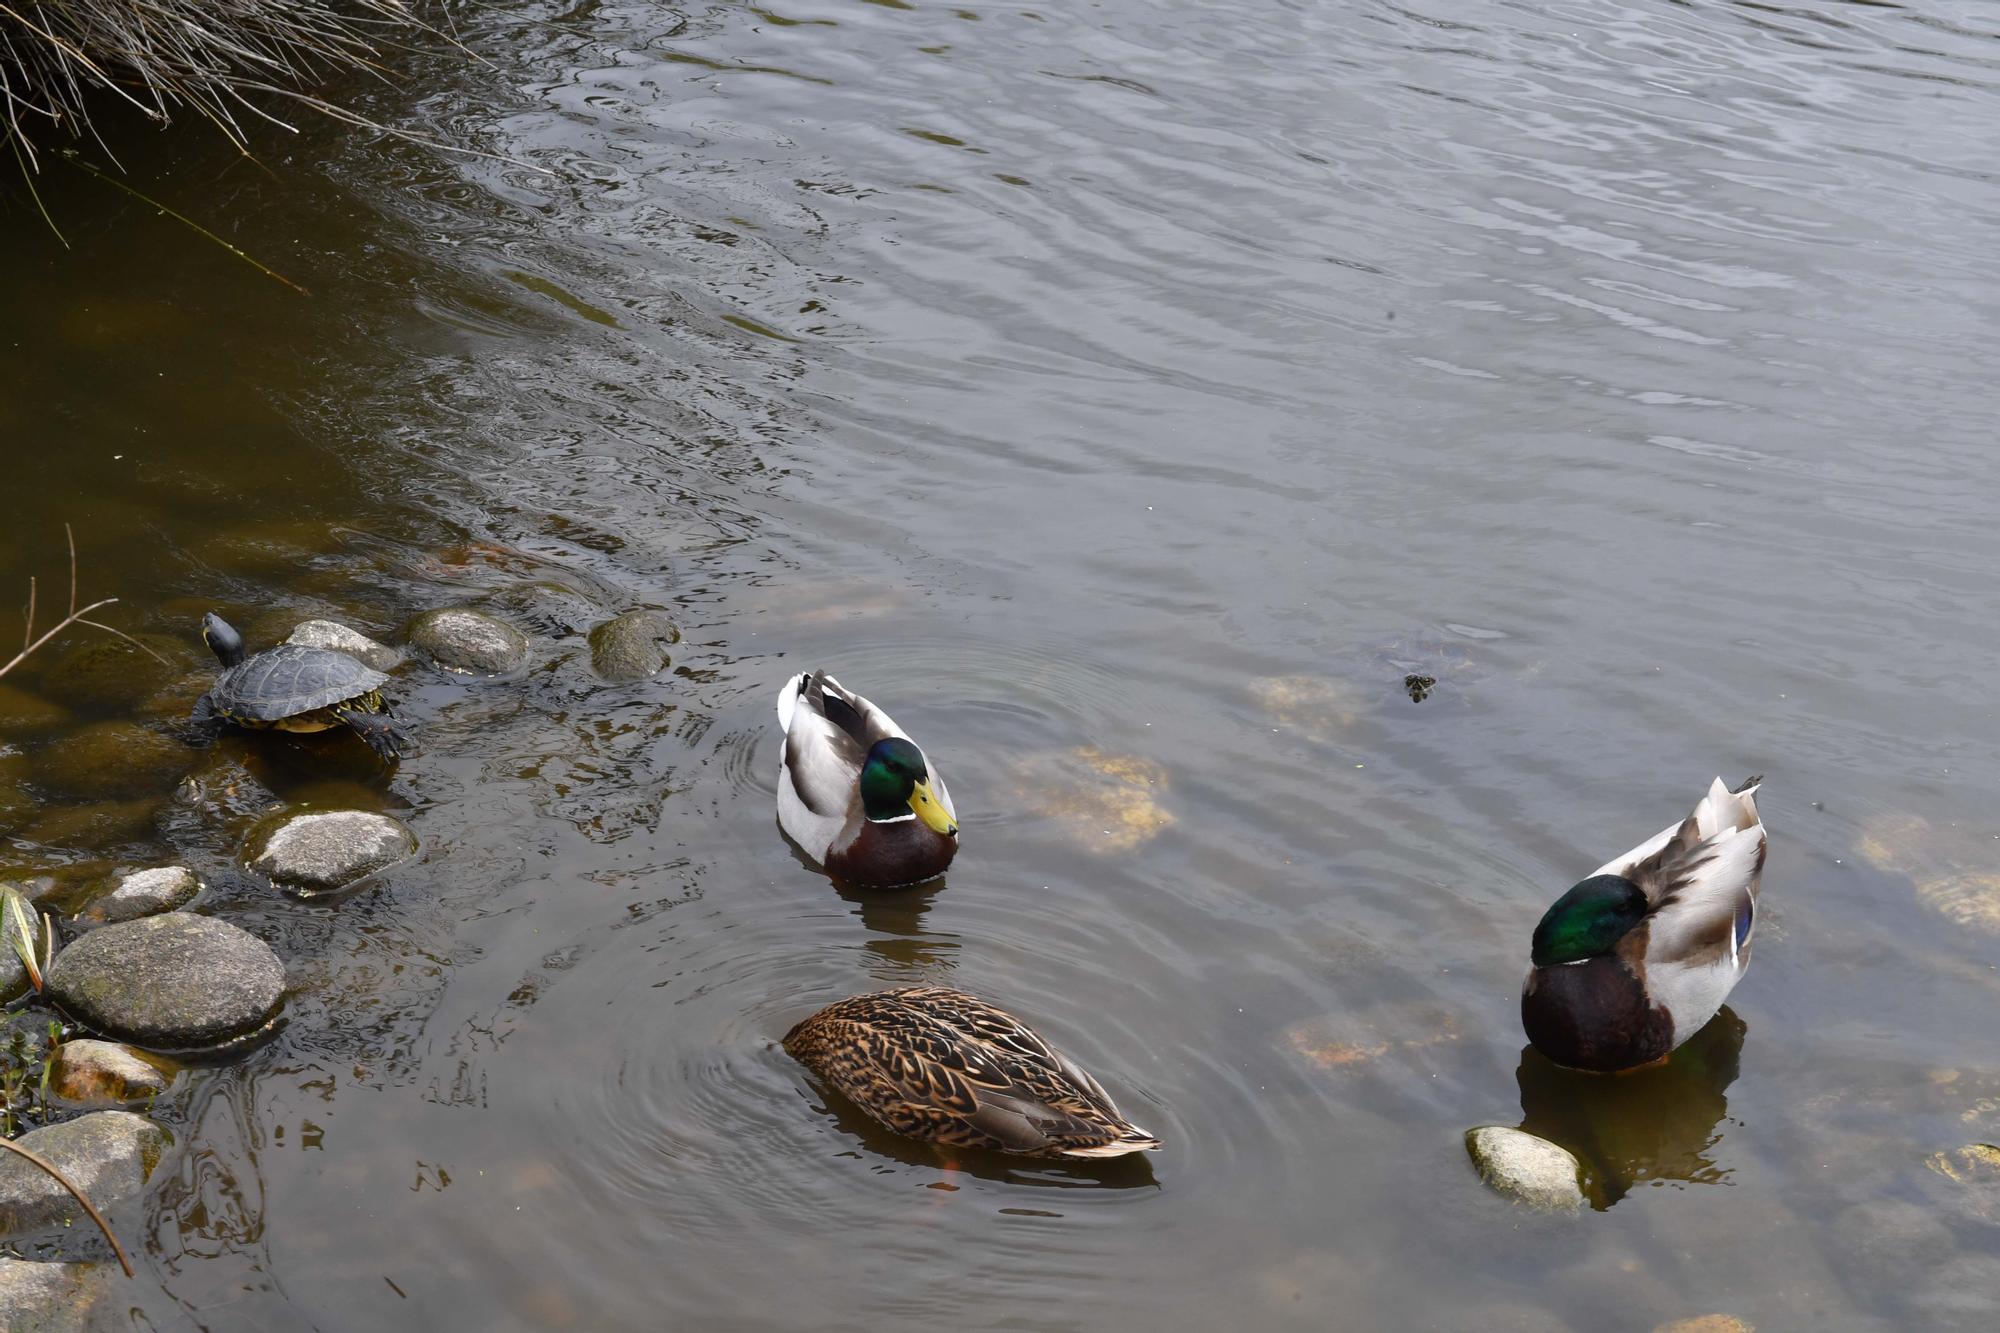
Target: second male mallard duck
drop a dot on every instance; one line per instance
(1634, 960)
(943, 1066)
(855, 791)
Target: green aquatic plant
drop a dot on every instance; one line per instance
(17, 921)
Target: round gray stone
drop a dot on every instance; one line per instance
(633, 646)
(345, 639)
(461, 639)
(170, 982)
(140, 893)
(327, 850)
(86, 1072)
(107, 1154)
(50, 1298)
(1524, 1168)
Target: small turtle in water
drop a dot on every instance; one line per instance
(294, 688)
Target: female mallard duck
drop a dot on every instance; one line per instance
(855, 791)
(1636, 959)
(940, 1065)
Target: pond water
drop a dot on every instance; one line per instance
(1128, 397)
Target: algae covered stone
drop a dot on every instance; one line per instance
(170, 982)
(1524, 1168)
(461, 639)
(107, 1154)
(319, 852)
(87, 1072)
(633, 646)
(113, 759)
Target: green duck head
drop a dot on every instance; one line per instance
(1589, 920)
(895, 784)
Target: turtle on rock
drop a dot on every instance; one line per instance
(294, 688)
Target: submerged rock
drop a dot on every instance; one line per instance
(106, 1154)
(87, 1072)
(113, 759)
(633, 646)
(107, 672)
(144, 893)
(461, 639)
(1107, 802)
(170, 982)
(322, 851)
(343, 639)
(96, 826)
(50, 1298)
(23, 712)
(1976, 1169)
(1524, 1168)
(1347, 1040)
(1320, 707)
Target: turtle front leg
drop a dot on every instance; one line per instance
(204, 723)
(384, 737)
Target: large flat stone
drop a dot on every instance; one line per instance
(170, 982)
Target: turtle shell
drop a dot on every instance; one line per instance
(289, 680)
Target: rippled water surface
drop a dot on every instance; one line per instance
(1128, 396)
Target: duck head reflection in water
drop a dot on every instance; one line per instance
(1654, 1124)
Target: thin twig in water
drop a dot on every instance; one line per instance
(185, 221)
(75, 617)
(70, 1185)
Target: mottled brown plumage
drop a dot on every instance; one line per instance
(938, 1064)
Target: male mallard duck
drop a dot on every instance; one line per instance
(1636, 959)
(938, 1064)
(855, 791)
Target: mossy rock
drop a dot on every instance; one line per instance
(112, 673)
(97, 826)
(107, 760)
(107, 1154)
(23, 714)
(633, 646)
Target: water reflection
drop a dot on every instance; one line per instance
(1658, 1124)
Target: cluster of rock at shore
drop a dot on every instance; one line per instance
(145, 977)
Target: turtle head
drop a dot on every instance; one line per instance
(896, 784)
(1589, 920)
(222, 639)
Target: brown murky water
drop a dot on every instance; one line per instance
(1129, 397)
